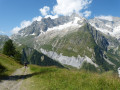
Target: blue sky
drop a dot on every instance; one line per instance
(13, 12)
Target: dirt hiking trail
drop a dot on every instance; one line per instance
(14, 81)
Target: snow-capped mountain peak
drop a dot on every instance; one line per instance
(107, 25)
(48, 24)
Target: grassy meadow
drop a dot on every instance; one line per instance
(52, 78)
(8, 65)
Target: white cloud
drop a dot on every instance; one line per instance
(67, 7)
(87, 13)
(37, 18)
(52, 17)
(109, 18)
(23, 25)
(15, 30)
(45, 10)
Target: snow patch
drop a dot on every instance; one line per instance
(109, 18)
(109, 26)
(101, 29)
(115, 33)
(32, 34)
(52, 17)
(66, 25)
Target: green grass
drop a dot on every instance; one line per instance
(47, 46)
(73, 44)
(26, 40)
(8, 64)
(113, 57)
(79, 40)
(52, 78)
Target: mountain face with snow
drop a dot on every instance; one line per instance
(110, 26)
(73, 40)
(37, 27)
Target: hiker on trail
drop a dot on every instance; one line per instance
(25, 64)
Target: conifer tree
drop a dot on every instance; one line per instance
(9, 48)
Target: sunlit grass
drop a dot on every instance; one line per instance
(52, 78)
(9, 64)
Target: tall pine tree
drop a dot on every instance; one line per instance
(9, 48)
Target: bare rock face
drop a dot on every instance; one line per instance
(65, 60)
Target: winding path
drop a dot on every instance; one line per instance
(15, 80)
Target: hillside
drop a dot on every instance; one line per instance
(8, 65)
(52, 78)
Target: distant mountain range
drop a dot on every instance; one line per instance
(74, 40)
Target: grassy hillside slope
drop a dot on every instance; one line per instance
(52, 78)
(7, 65)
